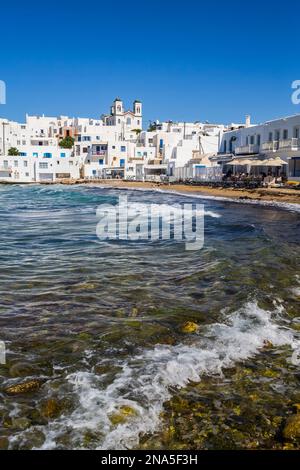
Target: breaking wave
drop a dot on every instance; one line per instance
(146, 380)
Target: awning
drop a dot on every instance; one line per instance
(267, 162)
(270, 162)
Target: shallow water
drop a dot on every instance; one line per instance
(100, 324)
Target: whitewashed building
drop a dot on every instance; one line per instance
(276, 139)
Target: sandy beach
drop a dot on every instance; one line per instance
(284, 195)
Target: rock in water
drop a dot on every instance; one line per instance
(189, 327)
(4, 443)
(291, 430)
(51, 408)
(24, 387)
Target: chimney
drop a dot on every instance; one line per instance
(248, 120)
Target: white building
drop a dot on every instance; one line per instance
(177, 143)
(277, 139)
(125, 121)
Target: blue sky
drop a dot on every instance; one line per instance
(186, 60)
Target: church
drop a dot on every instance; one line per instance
(126, 120)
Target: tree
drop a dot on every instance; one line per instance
(152, 127)
(13, 152)
(67, 142)
(137, 131)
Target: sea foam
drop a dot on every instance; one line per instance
(146, 380)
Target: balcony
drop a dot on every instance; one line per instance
(287, 144)
(99, 153)
(247, 149)
(290, 144)
(6, 169)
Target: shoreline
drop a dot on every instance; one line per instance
(273, 195)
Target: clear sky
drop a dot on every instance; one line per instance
(186, 60)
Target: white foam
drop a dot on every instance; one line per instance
(146, 380)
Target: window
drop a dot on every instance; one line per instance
(16, 164)
(258, 139)
(113, 147)
(225, 146)
(123, 148)
(119, 121)
(94, 172)
(285, 134)
(247, 140)
(252, 140)
(5, 163)
(101, 161)
(277, 135)
(128, 121)
(122, 162)
(23, 154)
(26, 174)
(25, 163)
(270, 136)
(62, 155)
(35, 154)
(296, 133)
(43, 165)
(138, 122)
(47, 155)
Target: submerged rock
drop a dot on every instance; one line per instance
(25, 387)
(122, 415)
(51, 408)
(21, 369)
(189, 327)
(291, 430)
(21, 423)
(4, 443)
(267, 344)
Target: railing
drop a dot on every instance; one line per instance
(287, 144)
(290, 144)
(6, 168)
(270, 146)
(247, 149)
(99, 152)
(41, 142)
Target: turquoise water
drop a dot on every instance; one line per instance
(99, 324)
